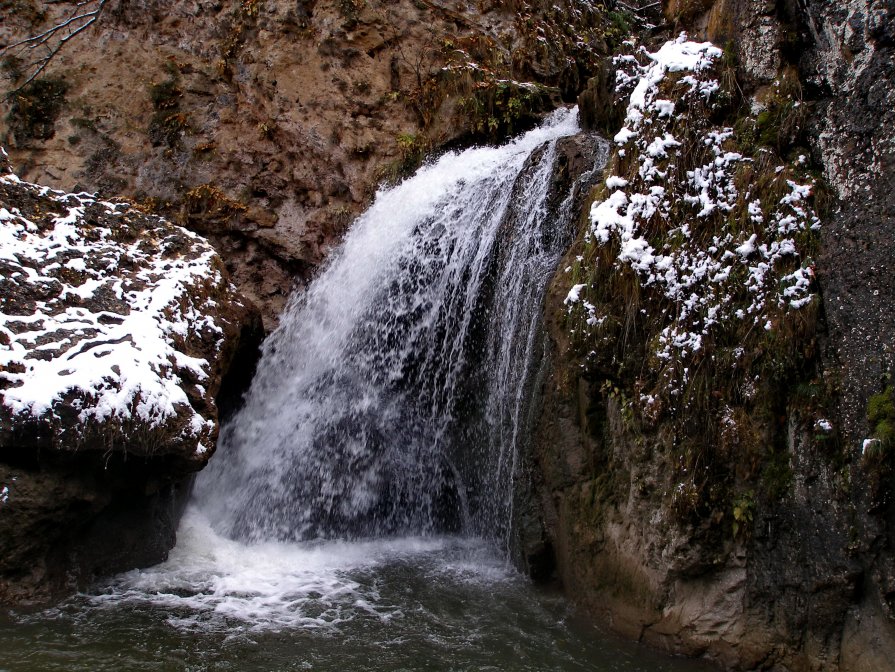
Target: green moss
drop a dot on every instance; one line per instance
(776, 477)
(35, 108)
(498, 109)
(781, 125)
(880, 406)
(881, 415)
(618, 29)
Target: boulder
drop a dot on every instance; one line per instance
(117, 330)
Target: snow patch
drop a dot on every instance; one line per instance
(104, 323)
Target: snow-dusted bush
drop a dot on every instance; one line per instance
(692, 298)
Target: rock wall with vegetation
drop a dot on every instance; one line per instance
(266, 125)
(721, 383)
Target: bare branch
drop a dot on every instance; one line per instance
(638, 10)
(56, 37)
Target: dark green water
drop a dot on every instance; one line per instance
(400, 604)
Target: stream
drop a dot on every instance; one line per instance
(441, 603)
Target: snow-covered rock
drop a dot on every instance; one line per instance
(116, 330)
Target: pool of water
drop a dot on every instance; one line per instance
(394, 604)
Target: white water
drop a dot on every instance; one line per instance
(388, 409)
(217, 584)
(390, 399)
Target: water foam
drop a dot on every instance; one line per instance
(210, 582)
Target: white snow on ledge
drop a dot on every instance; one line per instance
(100, 321)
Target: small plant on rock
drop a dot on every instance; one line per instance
(35, 108)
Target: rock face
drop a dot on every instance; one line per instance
(266, 125)
(761, 537)
(577, 166)
(117, 330)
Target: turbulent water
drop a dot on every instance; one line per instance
(357, 514)
(386, 605)
(393, 397)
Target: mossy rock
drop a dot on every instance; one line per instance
(881, 415)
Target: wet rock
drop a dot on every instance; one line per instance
(599, 107)
(577, 165)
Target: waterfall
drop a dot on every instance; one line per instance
(393, 397)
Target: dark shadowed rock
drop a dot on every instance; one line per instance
(599, 107)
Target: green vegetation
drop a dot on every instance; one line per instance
(412, 151)
(168, 123)
(881, 415)
(620, 24)
(500, 109)
(781, 124)
(743, 512)
(776, 475)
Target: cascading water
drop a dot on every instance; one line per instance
(392, 396)
(391, 404)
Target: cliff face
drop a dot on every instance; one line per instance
(722, 482)
(267, 125)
